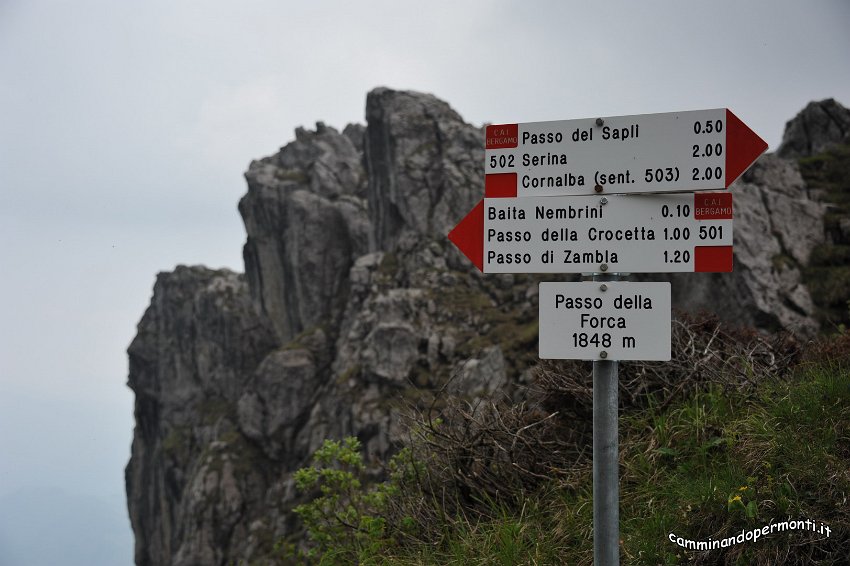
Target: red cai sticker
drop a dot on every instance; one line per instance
(500, 185)
(499, 136)
(713, 206)
(713, 259)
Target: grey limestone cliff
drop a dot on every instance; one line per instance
(352, 305)
(777, 226)
(818, 127)
(196, 344)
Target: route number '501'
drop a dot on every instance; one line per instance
(710, 232)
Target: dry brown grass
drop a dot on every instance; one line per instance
(494, 450)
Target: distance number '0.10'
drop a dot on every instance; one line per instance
(679, 211)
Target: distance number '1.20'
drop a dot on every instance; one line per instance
(677, 256)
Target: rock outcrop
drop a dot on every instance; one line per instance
(354, 305)
(818, 127)
(777, 226)
(306, 220)
(423, 163)
(196, 345)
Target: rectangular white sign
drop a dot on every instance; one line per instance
(613, 320)
(618, 233)
(667, 152)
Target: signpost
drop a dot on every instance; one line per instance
(605, 321)
(669, 152)
(683, 232)
(606, 458)
(562, 197)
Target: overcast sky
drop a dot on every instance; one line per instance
(125, 128)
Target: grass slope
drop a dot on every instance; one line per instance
(713, 462)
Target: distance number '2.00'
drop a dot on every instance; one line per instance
(707, 174)
(708, 150)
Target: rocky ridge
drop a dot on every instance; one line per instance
(818, 127)
(353, 303)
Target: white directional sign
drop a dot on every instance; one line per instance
(612, 320)
(616, 233)
(656, 153)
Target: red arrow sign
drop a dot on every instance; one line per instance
(468, 235)
(743, 147)
(646, 153)
(661, 233)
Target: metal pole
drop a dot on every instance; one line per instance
(606, 484)
(606, 475)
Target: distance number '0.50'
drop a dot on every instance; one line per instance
(708, 127)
